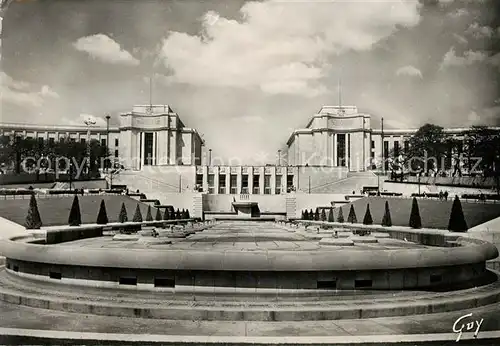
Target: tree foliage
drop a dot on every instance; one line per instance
(386, 219)
(352, 215)
(331, 216)
(102, 216)
(415, 220)
(137, 215)
(149, 216)
(33, 219)
(368, 220)
(457, 221)
(75, 216)
(340, 217)
(122, 217)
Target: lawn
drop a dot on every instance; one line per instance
(434, 213)
(55, 210)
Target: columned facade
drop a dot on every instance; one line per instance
(155, 135)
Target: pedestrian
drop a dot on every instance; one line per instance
(446, 195)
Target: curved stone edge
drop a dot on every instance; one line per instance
(37, 336)
(460, 300)
(470, 251)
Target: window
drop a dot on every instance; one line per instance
(116, 142)
(55, 275)
(164, 282)
(233, 181)
(40, 140)
(278, 184)
(52, 140)
(211, 183)
(435, 278)
(267, 184)
(82, 140)
(128, 281)
(407, 146)
(373, 144)
(103, 142)
(384, 155)
(327, 285)
(396, 148)
(222, 183)
(256, 184)
(199, 179)
(116, 153)
(362, 283)
(73, 140)
(341, 149)
(289, 182)
(244, 184)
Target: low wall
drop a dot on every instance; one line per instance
(223, 203)
(408, 189)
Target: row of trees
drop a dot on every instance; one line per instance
(456, 222)
(34, 220)
(13, 151)
(479, 145)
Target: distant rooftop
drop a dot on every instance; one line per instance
(338, 110)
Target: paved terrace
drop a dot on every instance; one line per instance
(246, 235)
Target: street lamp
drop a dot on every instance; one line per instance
(279, 157)
(209, 157)
(89, 122)
(107, 141)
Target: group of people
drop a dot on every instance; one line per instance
(443, 195)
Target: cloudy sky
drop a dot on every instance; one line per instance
(245, 73)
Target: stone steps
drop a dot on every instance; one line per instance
(14, 290)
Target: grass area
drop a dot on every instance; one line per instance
(434, 213)
(54, 211)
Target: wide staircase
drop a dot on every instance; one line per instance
(355, 181)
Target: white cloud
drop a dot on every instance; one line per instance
(470, 57)
(411, 71)
(99, 122)
(104, 48)
(281, 47)
(479, 31)
(460, 39)
(250, 119)
(24, 94)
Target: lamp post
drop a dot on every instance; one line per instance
(279, 157)
(209, 157)
(89, 122)
(107, 141)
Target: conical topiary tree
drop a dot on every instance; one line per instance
(415, 220)
(311, 215)
(158, 215)
(149, 216)
(75, 217)
(331, 217)
(306, 215)
(386, 220)
(367, 220)
(33, 219)
(352, 215)
(102, 217)
(302, 217)
(178, 214)
(316, 215)
(340, 217)
(187, 214)
(122, 217)
(166, 215)
(457, 221)
(323, 215)
(137, 215)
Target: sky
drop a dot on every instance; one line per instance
(245, 74)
